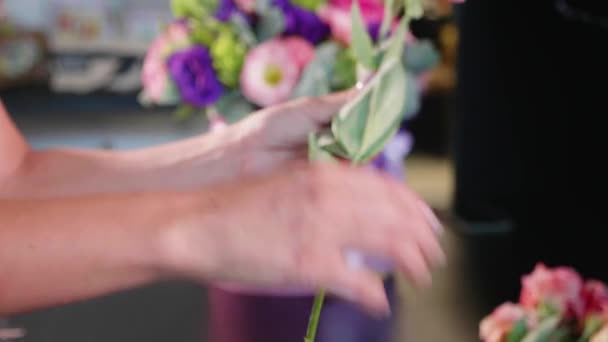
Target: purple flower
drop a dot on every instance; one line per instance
(301, 22)
(193, 73)
(392, 158)
(374, 30)
(225, 10)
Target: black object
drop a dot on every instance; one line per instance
(528, 119)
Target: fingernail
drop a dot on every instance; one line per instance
(431, 218)
(355, 260)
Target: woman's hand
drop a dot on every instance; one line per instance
(276, 135)
(293, 228)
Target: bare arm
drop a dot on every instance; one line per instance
(56, 249)
(61, 250)
(260, 143)
(202, 160)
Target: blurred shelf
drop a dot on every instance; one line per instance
(118, 48)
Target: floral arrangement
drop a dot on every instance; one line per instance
(555, 305)
(227, 58)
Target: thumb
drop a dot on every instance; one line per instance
(321, 110)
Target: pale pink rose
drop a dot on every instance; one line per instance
(248, 6)
(269, 73)
(155, 77)
(560, 287)
(497, 326)
(337, 15)
(302, 52)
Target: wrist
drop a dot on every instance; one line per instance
(184, 247)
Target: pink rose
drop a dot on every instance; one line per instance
(559, 287)
(595, 298)
(497, 326)
(301, 51)
(337, 15)
(270, 73)
(155, 77)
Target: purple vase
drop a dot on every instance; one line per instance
(254, 318)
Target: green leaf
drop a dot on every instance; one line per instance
(316, 77)
(414, 9)
(387, 19)
(518, 332)
(373, 150)
(349, 125)
(170, 96)
(421, 56)
(261, 6)
(386, 109)
(396, 46)
(234, 107)
(183, 112)
(544, 331)
(242, 28)
(315, 153)
(361, 41)
(344, 74)
(562, 334)
(327, 142)
(271, 24)
(193, 8)
(592, 325)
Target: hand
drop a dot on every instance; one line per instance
(292, 228)
(276, 135)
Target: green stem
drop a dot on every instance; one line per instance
(313, 322)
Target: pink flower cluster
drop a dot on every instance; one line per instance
(552, 292)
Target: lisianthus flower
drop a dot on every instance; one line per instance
(559, 288)
(157, 85)
(302, 22)
(301, 51)
(225, 9)
(336, 14)
(497, 326)
(270, 73)
(193, 73)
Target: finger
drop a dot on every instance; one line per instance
(431, 217)
(321, 110)
(416, 224)
(357, 285)
(411, 262)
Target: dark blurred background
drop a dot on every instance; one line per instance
(496, 146)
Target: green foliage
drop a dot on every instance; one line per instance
(197, 9)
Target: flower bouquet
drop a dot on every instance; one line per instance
(555, 305)
(227, 58)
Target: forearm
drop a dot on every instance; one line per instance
(63, 250)
(182, 165)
